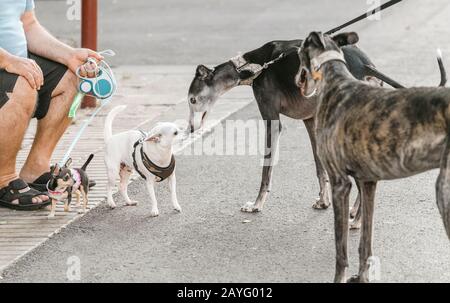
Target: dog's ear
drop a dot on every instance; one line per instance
(203, 72)
(55, 169)
(154, 138)
(315, 39)
(346, 39)
(68, 163)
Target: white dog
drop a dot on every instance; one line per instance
(149, 154)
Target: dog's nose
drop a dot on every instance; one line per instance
(193, 100)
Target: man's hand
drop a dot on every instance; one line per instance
(78, 57)
(26, 68)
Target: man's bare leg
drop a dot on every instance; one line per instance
(50, 129)
(15, 116)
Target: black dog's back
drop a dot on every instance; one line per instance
(285, 70)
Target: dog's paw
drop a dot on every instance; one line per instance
(177, 208)
(250, 207)
(154, 213)
(353, 211)
(321, 204)
(51, 215)
(111, 204)
(355, 224)
(81, 211)
(132, 203)
(357, 279)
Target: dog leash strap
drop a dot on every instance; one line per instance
(134, 159)
(332, 31)
(82, 129)
(364, 16)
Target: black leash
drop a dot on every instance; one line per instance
(332, 31)
(364, 16)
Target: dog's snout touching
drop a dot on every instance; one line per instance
(193, 100)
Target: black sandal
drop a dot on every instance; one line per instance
(40, 183)
(19, 190)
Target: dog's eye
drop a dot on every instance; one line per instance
(175, 133)
(66, 178)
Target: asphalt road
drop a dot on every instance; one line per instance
(289, 241)
(209, 241)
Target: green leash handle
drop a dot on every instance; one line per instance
(76, 104)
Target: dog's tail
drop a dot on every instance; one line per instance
(109, 119)
(441, 68)
(372, 71)
(85, 165)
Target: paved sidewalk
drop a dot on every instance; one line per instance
(152, 93)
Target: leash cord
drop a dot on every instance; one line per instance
(82, 129)
(332, 31)
(79, 97)
(364, 16)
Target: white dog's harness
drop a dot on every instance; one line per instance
(161, 173)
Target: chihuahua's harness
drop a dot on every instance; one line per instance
(161, 173)
(76, 177)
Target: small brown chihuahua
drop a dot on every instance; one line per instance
(64, 182)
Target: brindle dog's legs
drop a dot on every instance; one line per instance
(443, 188)
(367, 190)
(323, 201)
(273, 131)
(356, 211)
(340, 188)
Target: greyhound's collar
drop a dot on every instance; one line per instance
(241, 64)
(319, 61)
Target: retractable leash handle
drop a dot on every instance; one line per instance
(104, 78)
(101, 86)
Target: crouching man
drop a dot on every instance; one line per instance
(37, 80)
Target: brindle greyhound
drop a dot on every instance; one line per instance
(372, 134)
(276, 92)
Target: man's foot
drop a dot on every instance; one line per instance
(18, 195)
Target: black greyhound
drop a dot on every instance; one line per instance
(276, 92)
